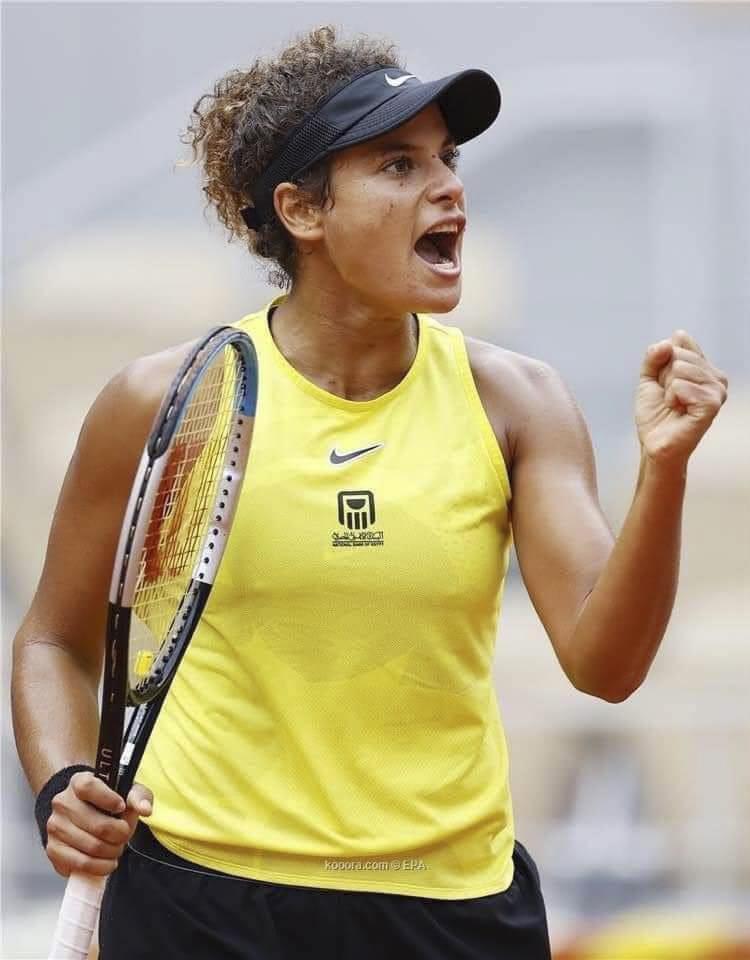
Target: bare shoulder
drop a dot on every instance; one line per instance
(133, 396)
(70, 601)
(496, 364)
(515, 390)
(144, 381)
(120, 419)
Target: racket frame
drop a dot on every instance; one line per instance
(115, 692)
(117, 762)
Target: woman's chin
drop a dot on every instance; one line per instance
(439, 301)
(416, 296)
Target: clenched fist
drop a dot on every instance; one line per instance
(679, 394)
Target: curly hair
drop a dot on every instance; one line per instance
(235, 131)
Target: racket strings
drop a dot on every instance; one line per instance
(188, 492)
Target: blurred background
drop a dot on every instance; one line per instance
(609, 205)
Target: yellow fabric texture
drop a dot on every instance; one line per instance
(334, 721)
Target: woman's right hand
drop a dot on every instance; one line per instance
(91, 823)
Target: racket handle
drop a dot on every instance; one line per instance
(78, 917)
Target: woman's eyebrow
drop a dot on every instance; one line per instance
(393, 145)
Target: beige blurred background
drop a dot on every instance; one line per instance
(608, 205)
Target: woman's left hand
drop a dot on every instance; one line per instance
(679, 394)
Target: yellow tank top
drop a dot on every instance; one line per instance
(334, 722)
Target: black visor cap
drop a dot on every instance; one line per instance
(469, 102)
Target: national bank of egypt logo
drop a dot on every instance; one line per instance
(356, 516)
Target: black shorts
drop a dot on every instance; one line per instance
(157, 905)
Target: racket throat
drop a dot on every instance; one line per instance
(115, 693)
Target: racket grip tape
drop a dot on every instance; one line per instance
(78, 917)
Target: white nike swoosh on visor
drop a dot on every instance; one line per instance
(397, 81)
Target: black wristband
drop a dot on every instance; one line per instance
(56, 784)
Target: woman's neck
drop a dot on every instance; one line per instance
(348, 349)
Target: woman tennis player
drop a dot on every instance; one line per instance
(328, 776)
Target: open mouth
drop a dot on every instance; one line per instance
(439, 248)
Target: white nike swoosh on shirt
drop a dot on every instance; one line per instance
(397, 81)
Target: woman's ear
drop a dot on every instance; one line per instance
(295, 211)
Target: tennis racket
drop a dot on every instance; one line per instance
(172, 539)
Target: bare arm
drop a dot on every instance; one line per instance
(605, 604)
(561, 536)
(58, 650)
